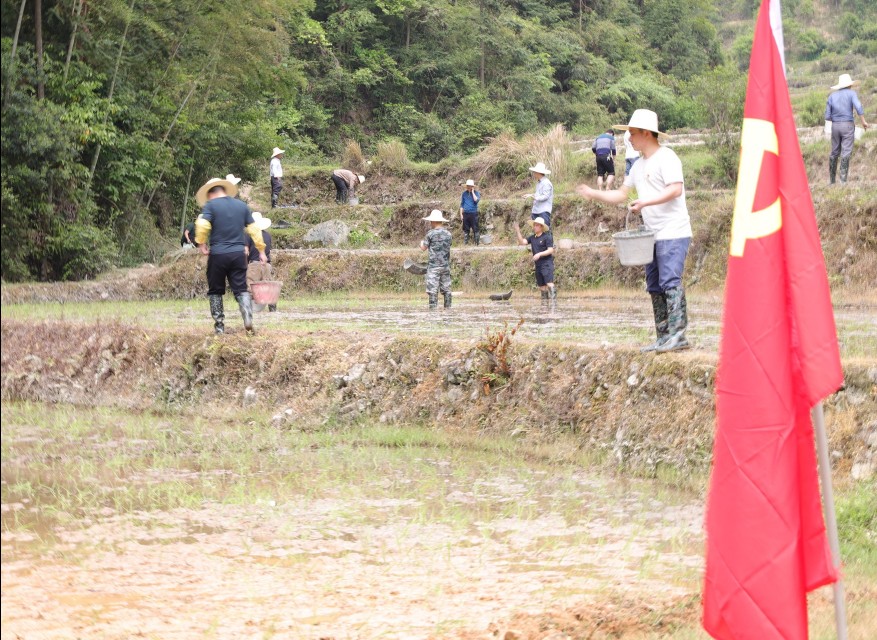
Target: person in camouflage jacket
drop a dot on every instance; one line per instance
(438, 268)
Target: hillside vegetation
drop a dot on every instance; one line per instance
(115, 112)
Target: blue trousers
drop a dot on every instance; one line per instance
(665, 270)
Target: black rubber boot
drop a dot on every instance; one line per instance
(659, 308)
(844, 169)
(544, 294)
(832, 170)
(677, 321)
(245, 302)
(433, 300)
(218, 313)
(448, 297)
(272, 307)
(273, 200)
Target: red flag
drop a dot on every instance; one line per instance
(766, 540)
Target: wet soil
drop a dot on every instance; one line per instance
(428, 543)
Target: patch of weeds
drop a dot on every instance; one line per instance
(359, 238)
(496, 345)
(857, 524)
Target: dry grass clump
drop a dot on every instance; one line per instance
(506, 155)
(392, 157)
(352, 157)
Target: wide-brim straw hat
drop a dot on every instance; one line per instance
(541, 221)
(231, 189)
(470, 183)
(277, 151)
(642, 119)
(541, 168)
(844, 81)
(435, 216)
(230, 177)
(361, 179)
(261, 221)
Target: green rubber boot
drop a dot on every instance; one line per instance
(659, 308)
(677, 321)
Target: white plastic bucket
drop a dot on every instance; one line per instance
(353, 201)
(859, 133)
(635, 247)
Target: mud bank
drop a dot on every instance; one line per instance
(638, 412)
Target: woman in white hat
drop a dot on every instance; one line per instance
(840, 110)
(438, 268)
(257, 271)
(469, 212)
(345, 184)
(543, 199)
(276, 170)
(660, 187)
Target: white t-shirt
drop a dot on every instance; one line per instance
(276, 168)
(629, 152)
(650, 176)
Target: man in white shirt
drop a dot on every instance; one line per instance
(276, 176)
(660, 188)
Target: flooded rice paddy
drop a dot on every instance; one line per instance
(612, 318)
(120, 525)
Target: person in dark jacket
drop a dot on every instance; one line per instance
(220, 232)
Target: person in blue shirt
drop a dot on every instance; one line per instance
(840, 110)
(469, 212)
(604, 150)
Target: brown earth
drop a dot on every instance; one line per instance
(638, 412)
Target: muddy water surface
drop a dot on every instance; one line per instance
(613, 318)
(300, 536)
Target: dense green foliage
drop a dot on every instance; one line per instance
(115, 111)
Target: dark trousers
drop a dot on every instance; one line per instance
(230, 266)
(470, 222)
(276, 187)
(341, 189)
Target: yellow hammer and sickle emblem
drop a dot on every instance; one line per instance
(757, 137)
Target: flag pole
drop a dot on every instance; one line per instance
(840, 609)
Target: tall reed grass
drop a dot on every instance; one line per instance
(508, 156)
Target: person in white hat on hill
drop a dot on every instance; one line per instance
(660, 188)
(220, 232)
(276, 170)
(438, 267)
(542, 245)
(543, 199)
(840, 110)
(345, 184)
(257, 271)
(469, 212)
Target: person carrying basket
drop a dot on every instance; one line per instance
(660, 187)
